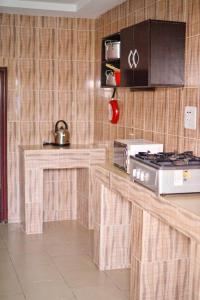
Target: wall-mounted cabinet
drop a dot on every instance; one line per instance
(151, 54)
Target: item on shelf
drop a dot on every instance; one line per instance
(113, 68)
(117, 78)
(110, 78)
(112, 49)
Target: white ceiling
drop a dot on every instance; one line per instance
(68, 8)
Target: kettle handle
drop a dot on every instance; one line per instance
(61, 121)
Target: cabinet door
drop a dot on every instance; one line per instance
(167, 53)
(126, 57)
(141, 54)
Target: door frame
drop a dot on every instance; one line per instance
(3, 145)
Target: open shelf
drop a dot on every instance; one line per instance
(114, 62)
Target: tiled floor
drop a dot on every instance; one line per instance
(56, 265)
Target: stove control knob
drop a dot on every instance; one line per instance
(146, 177)
(142, 175)
(138, 173)
(134, 172)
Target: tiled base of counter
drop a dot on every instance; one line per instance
(112, 229)
(60, 196)
(160, 258)
(165, 262)
(38, 202)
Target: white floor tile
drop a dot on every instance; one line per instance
(9, 283)
(99, 293)
(38, 273)
(83, 278)
(121, 278)
(73, 262)
(50, 291)
(30, 260)
(4, 255)
(12, 297)
(2, 244)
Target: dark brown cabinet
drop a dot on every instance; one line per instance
(152, 54)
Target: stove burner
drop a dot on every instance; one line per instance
(170, 158)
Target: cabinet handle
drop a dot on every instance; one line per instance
(136, 55)
(129, 59)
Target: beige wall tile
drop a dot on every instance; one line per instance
(67, 106)
(85, 75)
(47, 43)
(193, 17)
(26, 21)
(7, 19)
(160, 111)
(48, 74)
(46, 132)
(192, 62)
(29, 133)
(8, 41)
(67, 44)
(174, 120)
(28, 74)
(67, 75)
(162, 10)
(29, 106)
(47, 22)
(13, 106)
(13, 136)
(48, 106)
(85, 45)
(67, 23)
(28, 42)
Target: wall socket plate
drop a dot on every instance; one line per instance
(190, 117)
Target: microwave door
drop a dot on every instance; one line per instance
(120, 156)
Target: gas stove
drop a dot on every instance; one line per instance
(167, 172)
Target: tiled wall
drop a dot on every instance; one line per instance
(50, 77)
(52, 63)
(155, 115)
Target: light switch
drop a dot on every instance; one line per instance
(190, 117)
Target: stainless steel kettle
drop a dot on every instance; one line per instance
(61, 133)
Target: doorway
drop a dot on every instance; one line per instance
(3, 145)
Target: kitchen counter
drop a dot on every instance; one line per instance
(181, 211)
(161, 234)
(158, 237)
(34, 159)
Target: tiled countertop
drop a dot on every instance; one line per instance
(61, 148)
(189, 202)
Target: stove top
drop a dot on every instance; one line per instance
(168, 160)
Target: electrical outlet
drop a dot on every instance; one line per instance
(190, 117)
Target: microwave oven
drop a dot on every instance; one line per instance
(124, 148)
